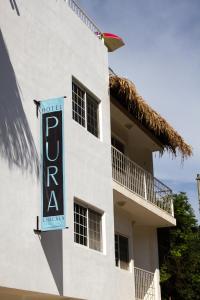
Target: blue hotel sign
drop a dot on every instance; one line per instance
(53, 205)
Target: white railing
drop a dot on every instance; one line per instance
(144, 285)
(83, 16)
(136, 179)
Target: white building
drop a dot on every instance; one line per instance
(113, 204)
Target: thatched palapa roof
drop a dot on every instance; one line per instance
(124, 91)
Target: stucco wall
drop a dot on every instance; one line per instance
(145, 249)
(145, 238)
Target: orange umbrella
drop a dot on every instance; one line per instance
(112, 41)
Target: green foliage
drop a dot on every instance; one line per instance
(179, 251)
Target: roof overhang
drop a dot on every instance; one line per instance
(125, 93)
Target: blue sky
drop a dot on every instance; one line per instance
(162, 57)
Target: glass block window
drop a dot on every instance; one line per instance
(87, 227)
(85, 109)
(121, 252)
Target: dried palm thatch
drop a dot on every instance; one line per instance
(124, 91)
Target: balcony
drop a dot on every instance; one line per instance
(84, 17)
(140, 182)
(144, 285)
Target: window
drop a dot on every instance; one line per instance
(85, 109)
(78, 104)
(121, 252)
(87, 227)
(117, 144)
(92, 116)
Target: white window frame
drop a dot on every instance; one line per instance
(95, 99)
(95, 210)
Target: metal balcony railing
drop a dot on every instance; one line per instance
(83, 16)
(139, 181)
(144, 285)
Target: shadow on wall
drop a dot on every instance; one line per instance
(52, 245)
(16, 142)
(14, 6)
